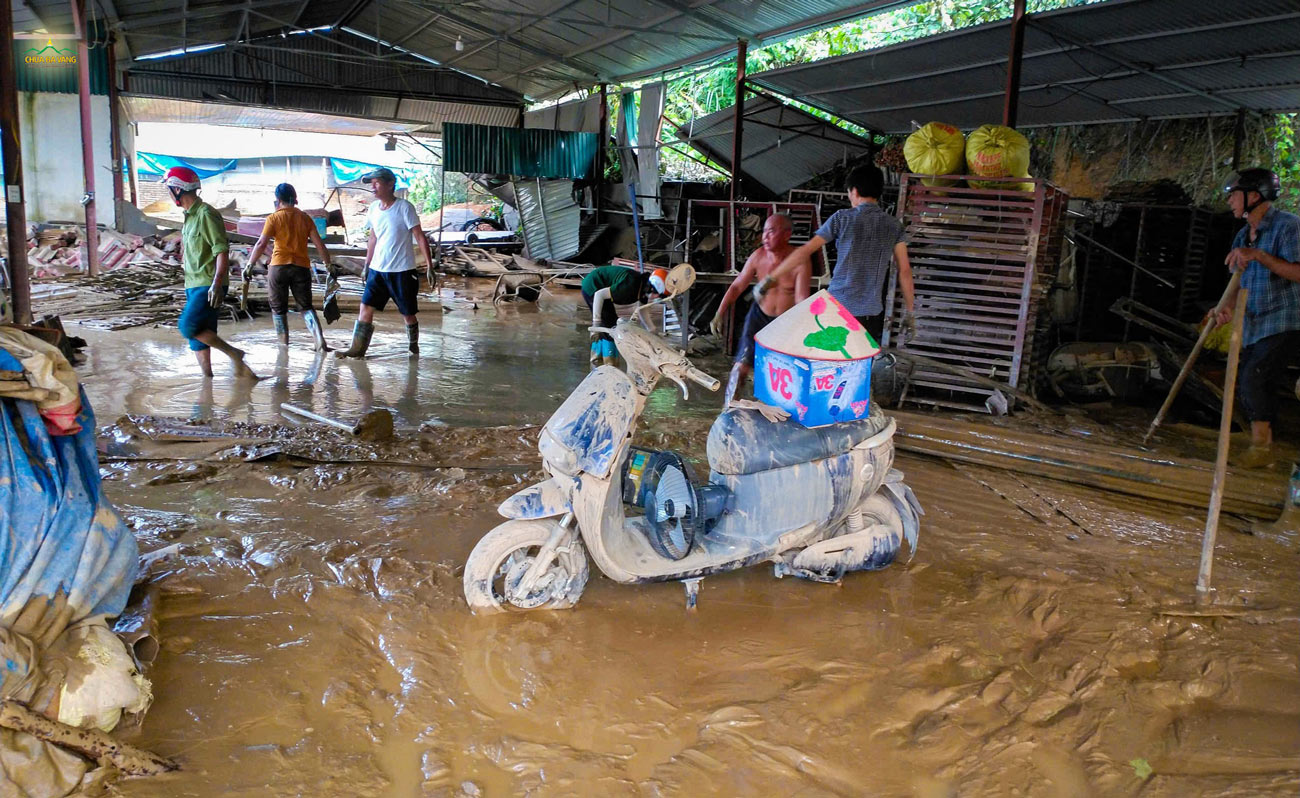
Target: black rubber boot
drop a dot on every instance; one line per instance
(317, 334)
(361, 334)
(281, 327)
(413, 338)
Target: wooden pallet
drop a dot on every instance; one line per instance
(983, 261)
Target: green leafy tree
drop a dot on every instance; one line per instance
(1286, 157)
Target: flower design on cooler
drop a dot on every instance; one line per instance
(830, 339)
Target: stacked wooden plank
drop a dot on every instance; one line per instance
(982, 263)
(1081, 461)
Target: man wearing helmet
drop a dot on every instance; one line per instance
(1267, 251)
(206, 263)
(607, 286)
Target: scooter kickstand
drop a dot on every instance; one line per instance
(692, 591)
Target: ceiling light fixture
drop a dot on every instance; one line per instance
(460, 44)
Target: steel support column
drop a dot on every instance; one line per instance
(87, 138)
(1238, 139)
(1011, 103)
(11, 147)
(115, 136)
(738, 129)
(602, 146)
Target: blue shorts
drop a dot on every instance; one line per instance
(197, 316)
(401, 287)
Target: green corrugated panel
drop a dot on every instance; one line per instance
(522, 152)
(58, 77)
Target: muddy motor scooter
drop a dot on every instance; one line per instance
(816, 502)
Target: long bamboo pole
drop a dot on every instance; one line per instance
(1221, 461)
(1191, 359)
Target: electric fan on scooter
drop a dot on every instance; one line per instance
(676, 506)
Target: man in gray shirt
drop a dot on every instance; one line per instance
(866, 239)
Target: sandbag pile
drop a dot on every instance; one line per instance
(941, 152)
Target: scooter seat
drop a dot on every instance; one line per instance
(743, 442)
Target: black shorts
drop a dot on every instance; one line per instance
(874, 324)
(401, 287)
(1263, 364)
(281, 280)
(755, 320)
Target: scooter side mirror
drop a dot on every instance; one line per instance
(680, 279)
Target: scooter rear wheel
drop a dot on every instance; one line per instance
(501, 558)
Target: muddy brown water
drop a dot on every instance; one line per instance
(315, 640)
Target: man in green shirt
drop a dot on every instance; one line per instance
(607, 286)
(206, 262)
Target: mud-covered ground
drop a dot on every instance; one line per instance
(315, 641)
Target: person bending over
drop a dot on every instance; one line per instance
(607, 286)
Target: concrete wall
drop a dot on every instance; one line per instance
(51, 141)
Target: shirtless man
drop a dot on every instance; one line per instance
(785, 293)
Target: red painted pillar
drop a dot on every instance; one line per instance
(11, 148)
(738, 128)
(1012, 101)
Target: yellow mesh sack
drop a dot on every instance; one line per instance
(997, 151)
(936, 149)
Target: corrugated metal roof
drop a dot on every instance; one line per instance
(577, 115)
(540, 48)
(156, 109)
(783, 146)
(551, 218)
(328, 63)
(544, 47)
(43, 65)
(281, 103)
(1122, 60)
(518, 151)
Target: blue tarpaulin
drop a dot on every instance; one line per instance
(346, 171)
(65, 554)
(152, 163)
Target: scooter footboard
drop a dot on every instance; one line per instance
(909, 508)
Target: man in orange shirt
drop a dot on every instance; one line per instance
(290, 269)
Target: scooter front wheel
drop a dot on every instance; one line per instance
(503, 556)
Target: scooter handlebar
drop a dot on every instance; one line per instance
(703, 380)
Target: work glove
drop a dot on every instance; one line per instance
(770, 412)
(763, 287)
(216, 295)
(715, 326)
(909, 326)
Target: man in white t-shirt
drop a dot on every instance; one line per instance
(395, 237)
